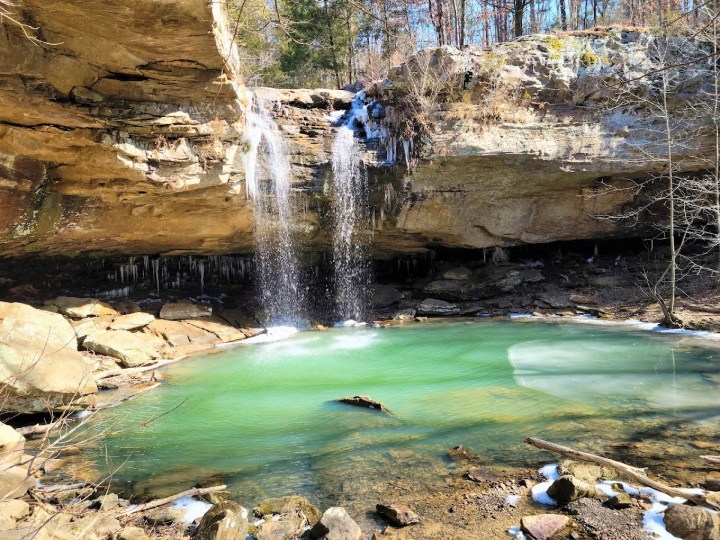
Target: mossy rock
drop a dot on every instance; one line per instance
(555, 43)
(285, 505)
(588, 59)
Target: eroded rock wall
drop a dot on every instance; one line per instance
(126, 136)
(121, 129)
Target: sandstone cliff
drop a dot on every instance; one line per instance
(125, 135)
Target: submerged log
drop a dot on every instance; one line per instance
(366, 402)
(194, 492)
(636, 474)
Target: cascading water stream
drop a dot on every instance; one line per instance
(267, 173)
(350, 213)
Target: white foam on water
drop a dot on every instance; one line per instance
(512, 500)
(521, 315)
(358, 340)
(274, 333)
(194, 508)
(516, 533)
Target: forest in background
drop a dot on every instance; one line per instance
(333, 43)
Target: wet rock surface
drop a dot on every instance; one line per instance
(225, 521)
(365, 402)
(692, 522)
(543, 526)
(399, 515)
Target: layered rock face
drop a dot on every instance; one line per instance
(543, 135)
(126, 135)
(121, 130)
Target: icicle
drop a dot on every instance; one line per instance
(201, 269)
(406, 149)
(156, 273)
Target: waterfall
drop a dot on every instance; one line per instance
(350, 213)
(267, 173)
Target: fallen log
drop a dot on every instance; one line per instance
(194, 492)
(635, 473)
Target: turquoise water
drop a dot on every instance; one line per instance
(262, 417)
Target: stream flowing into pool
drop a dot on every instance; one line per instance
(262, 418)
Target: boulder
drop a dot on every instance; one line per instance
(568, 488)
(588, 472)
(79, 308)
(619, 501)
(399, 515)
(385, 295)
(404, 314)
(219, 328)
(224, 521)
(288, 528)
(11, 511)
(336, 524)
(105, 502)
(12, 446)
(184, 309)
(182, 334)
(481, 474)
(14, 482)
(432, 306)
(24, 533)
(365, 402)
(164, 515)
(460, 273)
(98, 524)
(131, 349)
(125, 306)
(289, 504)
(247, 325)
(712, 483)
(40, 366)
(90, 325)
(444, 289)
(543, 526)
(132, 533)
(692, 522)
(131, 321)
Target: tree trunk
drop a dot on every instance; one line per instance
(336, 69)
(533, 18)
(518, 13)
(563, 16)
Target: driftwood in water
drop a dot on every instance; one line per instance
(366, 402)
(638, 475)
(712, 459)
(194, 492)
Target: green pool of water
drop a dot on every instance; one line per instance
(262, 417)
